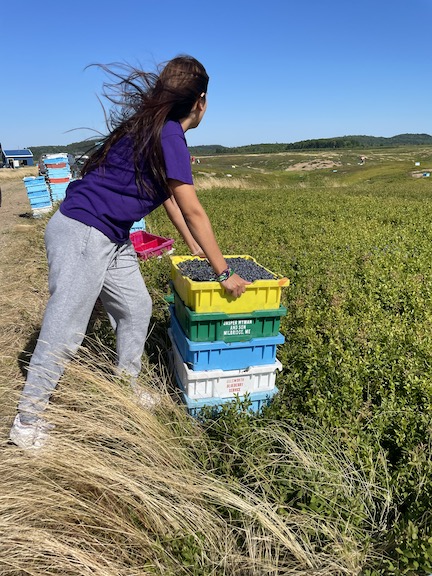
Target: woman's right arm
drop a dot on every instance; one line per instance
(200, 227)
(176, 217)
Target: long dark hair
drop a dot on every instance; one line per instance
(142, 102)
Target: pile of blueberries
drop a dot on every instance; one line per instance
(199, 270)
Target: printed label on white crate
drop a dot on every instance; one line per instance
(254, 379)
(234, 385)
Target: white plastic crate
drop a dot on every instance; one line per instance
(224, 383)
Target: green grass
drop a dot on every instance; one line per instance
(357, 247)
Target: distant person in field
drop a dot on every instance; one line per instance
(142, 163)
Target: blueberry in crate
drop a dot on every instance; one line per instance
(199, 270)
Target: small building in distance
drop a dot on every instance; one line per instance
(16, 158)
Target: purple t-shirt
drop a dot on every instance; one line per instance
(108, 199)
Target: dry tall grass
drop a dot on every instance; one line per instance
(120, 491)
(124, 492)
(208, 182)
(9, 175)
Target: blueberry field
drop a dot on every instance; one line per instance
(355, 240)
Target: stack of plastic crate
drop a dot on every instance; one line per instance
(38, 195)
(58, 175)
(225, 347)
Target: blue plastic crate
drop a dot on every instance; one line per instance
(38, 195)
(37, 188)
(41, 204)
(33, 179)
(58, 191)
(60, 159)
(35, 184)
(138, 225)
(224, 355)
(58, 172)
(61, 188)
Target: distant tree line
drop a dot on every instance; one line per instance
(76, 148)
(346, 142)
(340, 142)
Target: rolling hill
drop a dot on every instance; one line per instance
(347, 142)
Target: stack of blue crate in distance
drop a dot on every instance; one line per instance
(224, 347)
(38, 195)
(58, 175)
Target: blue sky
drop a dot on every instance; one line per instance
(280, 70)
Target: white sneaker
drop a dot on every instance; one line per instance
(30, 436)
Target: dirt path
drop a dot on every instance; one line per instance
(16, 221)
(15, 206)
(22, 286)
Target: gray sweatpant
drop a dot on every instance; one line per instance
(84, 265)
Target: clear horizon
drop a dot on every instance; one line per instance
(280, 71)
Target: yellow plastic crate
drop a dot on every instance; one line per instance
(212, 297)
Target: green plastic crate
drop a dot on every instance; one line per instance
(212, 326)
